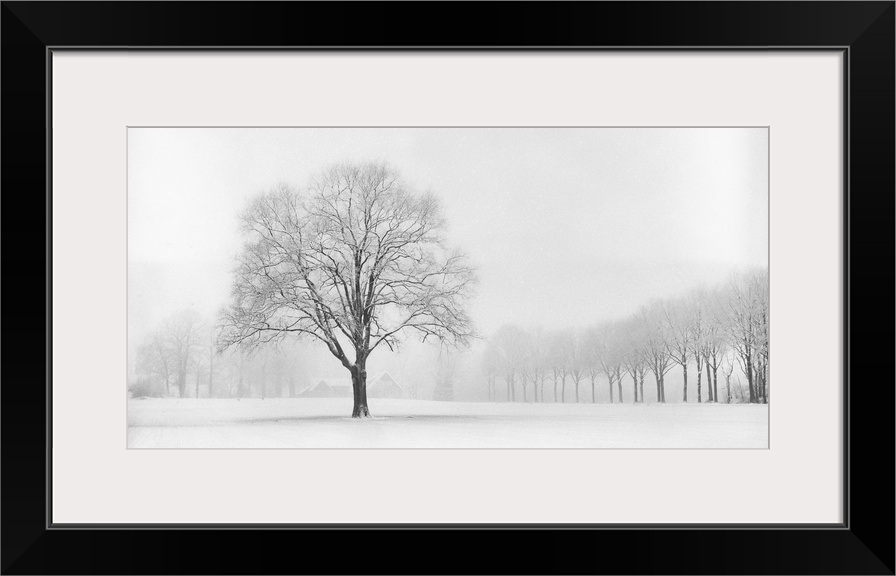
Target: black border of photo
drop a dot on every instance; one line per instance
(862, 31)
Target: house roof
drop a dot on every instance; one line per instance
(373, 381)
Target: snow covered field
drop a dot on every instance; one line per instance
(325, 423)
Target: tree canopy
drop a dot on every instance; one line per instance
(353, 261)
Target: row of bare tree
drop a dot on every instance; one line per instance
(183, 355)
(708, 330)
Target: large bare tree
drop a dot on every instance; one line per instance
(352, 263)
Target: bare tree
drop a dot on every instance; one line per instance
(443, 375)
(618, 373)
(509, 343)
(633, 358)
(535, 362)
(747, 327)
(212, 350)
(609, 354)
(490, 366)
(759, 278)
(728, 363)
(359, 261)
(694, 311)
(241, 368)
(557, 363)
(655, 346)
(680, 341)
(714, 345)
(562, 353)
(198, 369)
(181, 335)
(156, 358)
(592, 358)
(576, 358)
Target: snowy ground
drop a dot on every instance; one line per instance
(324, 423)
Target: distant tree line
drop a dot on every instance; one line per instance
(181, 358)
(702, 333)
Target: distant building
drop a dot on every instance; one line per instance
(326, 388)
(379, 385)
(383, 385)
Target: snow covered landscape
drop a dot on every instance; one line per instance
(448, 288)
(326, 423)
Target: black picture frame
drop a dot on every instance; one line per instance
(863, 544)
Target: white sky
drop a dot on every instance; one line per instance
(567, 226)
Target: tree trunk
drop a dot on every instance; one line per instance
(211, 366)
(709, 391)
(167, 387)
(182, 382)
(610, 380)
(685, 368)
(715, 383)
(359, 392)
(577, 391)
(619, 385)
(760, 376)
(197, 380)
(635, 386)
(728, 387)
(765, 380)
(749, 365)
(699, 385)
(555, 389)
(563, 389)
(662, 390)
(642, 388)
(593, 396)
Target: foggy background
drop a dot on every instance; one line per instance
(567, 227)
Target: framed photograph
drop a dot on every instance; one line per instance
(527, 279)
